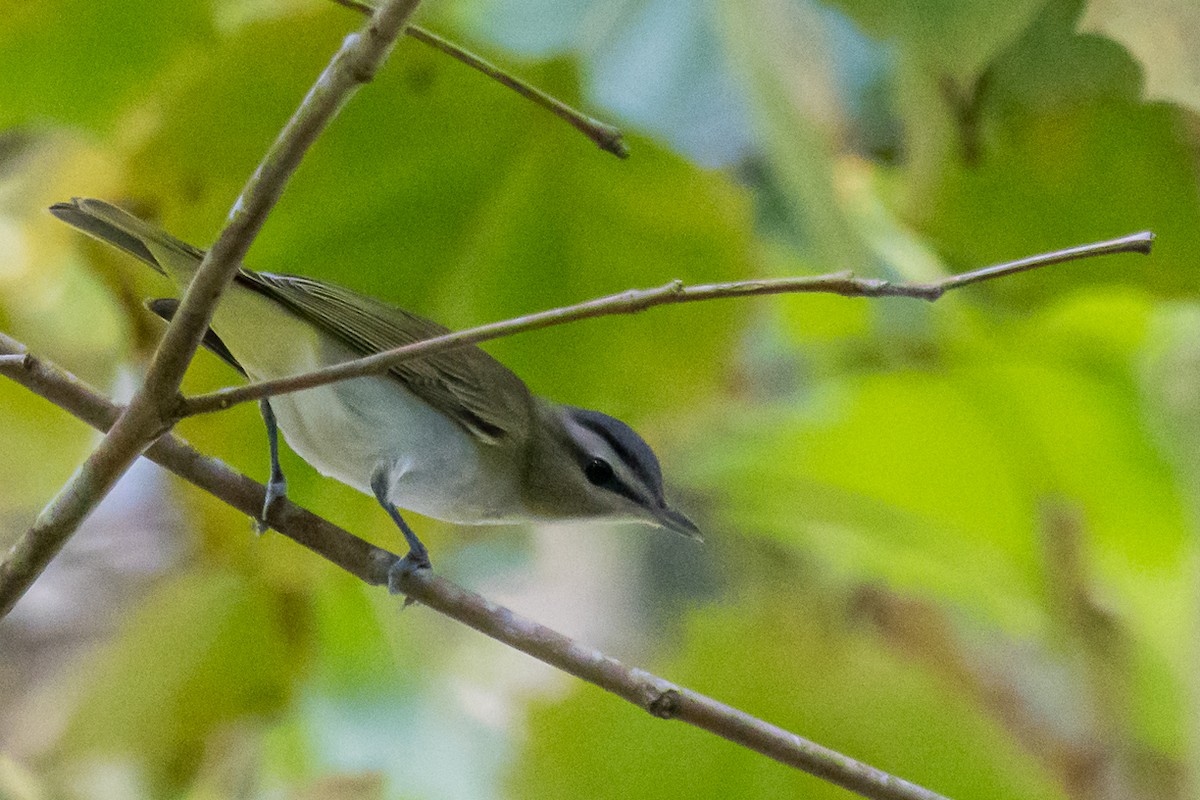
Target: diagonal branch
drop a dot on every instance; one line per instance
(150, 412)
(603, 135)
(64, 390)
(635, 300)
(656, 695)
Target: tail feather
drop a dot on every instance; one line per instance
(117, 227)
(165, 307)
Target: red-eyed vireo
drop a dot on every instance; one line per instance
(455, 436)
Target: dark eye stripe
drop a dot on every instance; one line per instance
(616, 486)
(625, 442)
(627, 493)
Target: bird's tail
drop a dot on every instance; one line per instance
(135, 236)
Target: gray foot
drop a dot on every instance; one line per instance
(405, 567)
(276, 490)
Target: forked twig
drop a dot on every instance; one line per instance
(150, 412)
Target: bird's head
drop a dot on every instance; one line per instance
(588, 465)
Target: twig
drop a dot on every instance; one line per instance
(660, 697)
(605, 136)
(635, 300)
(150, 412)
(1133, 243)
(64, 390)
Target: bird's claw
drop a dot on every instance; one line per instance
(413, 561)
(276, 490)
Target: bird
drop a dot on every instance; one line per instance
(454, 435)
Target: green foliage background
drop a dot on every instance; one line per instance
(955, 541)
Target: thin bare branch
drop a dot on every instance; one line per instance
(605, 136)
(1134, 243)
(656, 695)
(635, 300)
(151, 411)
(64, 390)
(660, 697)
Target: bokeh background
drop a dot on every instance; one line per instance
(956, 541)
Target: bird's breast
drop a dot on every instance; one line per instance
(351, 429)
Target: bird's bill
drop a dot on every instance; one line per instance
(672, 520)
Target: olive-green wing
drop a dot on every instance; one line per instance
(466, 384)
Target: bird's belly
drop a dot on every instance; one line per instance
(352, 429)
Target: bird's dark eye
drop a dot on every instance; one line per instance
(598, 471)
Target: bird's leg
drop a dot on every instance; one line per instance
(417, 556)
(277, 485)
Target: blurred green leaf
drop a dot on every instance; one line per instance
(1164, 35)
(781, 660)
(899, 444)
(32, 425)
(931, 478)
(957, 38)
(1170, 371)
(351, 648)
(203, 651)
(901, 477)
(798, 123)
(1065, 153)
(77, 62)
(472, 207)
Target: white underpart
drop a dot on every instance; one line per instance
(351, 429)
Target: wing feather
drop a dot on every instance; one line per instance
(467, 384)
